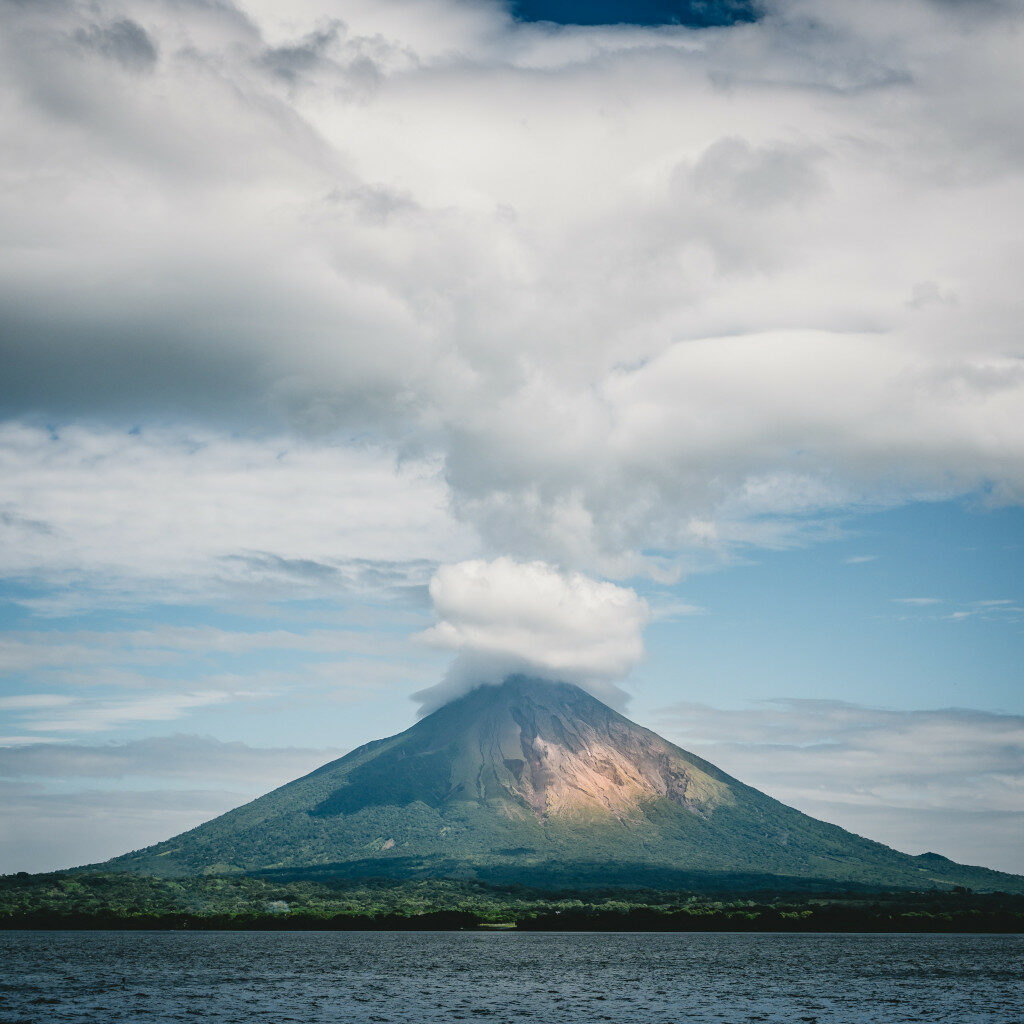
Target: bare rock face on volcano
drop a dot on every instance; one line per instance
(539, 783)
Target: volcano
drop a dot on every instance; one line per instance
(539, 783)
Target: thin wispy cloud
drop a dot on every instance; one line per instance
(82, 715)
(867, 768)
(1002, 610)
(34, 701)
(71, 803)
(43, 828)
(179, 756)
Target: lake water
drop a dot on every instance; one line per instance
(425, 977)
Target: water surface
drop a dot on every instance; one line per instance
(427, 977)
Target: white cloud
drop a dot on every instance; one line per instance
(1004, 611)
(506, 616)
(65, 681)
(64, 714)
(199, 758)
(204, 513)
(950, 780)
(631, 290)
(34, 701)
(165, 644)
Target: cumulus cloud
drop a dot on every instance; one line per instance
(506, 616)
(644, 294)
(949, 780)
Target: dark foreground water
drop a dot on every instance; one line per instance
(423, 977)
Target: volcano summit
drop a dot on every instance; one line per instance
(539, 782)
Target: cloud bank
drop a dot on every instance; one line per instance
(68, 804)
(950, 778)
(192, 512)
(504, 616)
(644, 295)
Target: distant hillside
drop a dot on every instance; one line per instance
(539, 783)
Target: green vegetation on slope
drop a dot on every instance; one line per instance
(538, 783)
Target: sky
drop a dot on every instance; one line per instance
(354, 354)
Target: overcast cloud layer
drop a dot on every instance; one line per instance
(642, 293)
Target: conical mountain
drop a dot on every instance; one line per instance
(539, 782)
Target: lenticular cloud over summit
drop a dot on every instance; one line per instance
(504, 616)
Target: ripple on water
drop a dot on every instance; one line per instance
(433, 977)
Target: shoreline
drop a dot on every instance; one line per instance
(896, 927)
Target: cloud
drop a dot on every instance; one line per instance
(506, 616)
(71, 803)
(860, 559)
(1001, 610)
(192, 512)
(61, 714)
(950, 780)
(636, 297)
(34, 701)
(62, 681)
(161, 757)
(166, 644)
(43, 830)
(124, 41)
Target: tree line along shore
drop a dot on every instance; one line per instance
(239, 902)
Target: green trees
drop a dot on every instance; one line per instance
(112, 900)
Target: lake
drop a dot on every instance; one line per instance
(421, 977)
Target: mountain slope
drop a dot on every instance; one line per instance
(540, 782)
